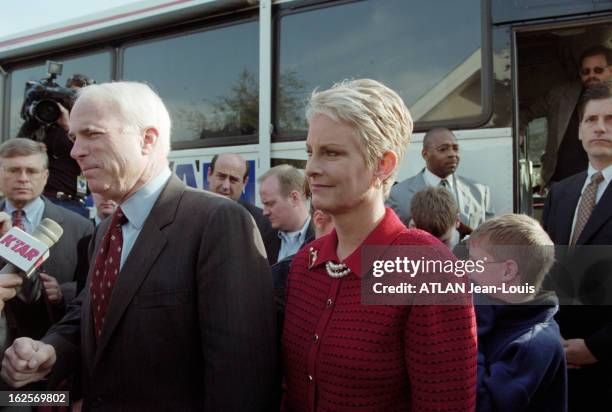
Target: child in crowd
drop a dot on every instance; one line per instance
(521, 363)
(434, 210)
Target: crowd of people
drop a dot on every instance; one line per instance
(175, 298)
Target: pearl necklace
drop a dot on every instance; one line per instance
(337, 270)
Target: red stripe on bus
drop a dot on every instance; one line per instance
(85, 24)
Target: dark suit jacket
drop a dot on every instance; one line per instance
(268, 235)
(67, 261)
(579, 274)
(190, 323)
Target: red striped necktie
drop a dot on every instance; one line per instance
(18, 219)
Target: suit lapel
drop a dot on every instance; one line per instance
(418, 184)
(569, 201)
(50, 212)
(464, 196)
(148, 246)
(601, 214)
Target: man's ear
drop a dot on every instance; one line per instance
(425, 154)
(149, 140)
(295, 197)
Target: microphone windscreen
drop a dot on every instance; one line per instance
(48, 232)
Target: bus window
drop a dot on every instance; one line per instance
(208, 80)
(429, 52)
(96, 66)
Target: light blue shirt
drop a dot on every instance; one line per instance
(292, 241)
(137, 209)
(33, 213)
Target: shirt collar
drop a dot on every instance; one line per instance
(301, 234)
(31, 209)
(384, 234)
(434, 180)
(607, 173)
(137, 207)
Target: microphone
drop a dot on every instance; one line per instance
(25, 253)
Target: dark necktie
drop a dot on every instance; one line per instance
(444, 183)
(18, 219)
(106, 269)
(586, 206)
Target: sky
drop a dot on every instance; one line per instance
(23, 15)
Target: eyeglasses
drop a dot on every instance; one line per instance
(18, 171)
(587, 70)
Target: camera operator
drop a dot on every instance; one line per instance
(66, 186)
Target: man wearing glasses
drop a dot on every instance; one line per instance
(564, 155)
(23, 175)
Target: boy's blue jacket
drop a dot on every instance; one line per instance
(521, 362)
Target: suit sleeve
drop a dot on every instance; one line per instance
(65, 337)
(600, 343)
(395, 202)
(236, 314)
(546, 212)
(510, 382)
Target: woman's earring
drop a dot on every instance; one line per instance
(378, 183)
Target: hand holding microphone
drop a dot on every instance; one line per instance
(8, 287)
(25, 253)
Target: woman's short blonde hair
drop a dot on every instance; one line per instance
(378, 115)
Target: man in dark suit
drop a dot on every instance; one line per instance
(178, 312)
(578, 213)
(23, 175)
(227, 176)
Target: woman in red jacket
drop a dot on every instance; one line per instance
(338, 353)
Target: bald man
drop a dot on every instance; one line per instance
(441, 155)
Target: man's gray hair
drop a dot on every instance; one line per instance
(20, 146)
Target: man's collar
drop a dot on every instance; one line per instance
(434, 180)
(607, 173)
(29, 208)
(301, 233)
(137, 207)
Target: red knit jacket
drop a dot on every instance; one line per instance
(340, 355)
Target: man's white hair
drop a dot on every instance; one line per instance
(139, 106)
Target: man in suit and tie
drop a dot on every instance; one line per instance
(23, 175)
(227, 176)
(441, 154)
(177, 312)
(578, 213)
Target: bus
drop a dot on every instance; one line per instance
(236, 74)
